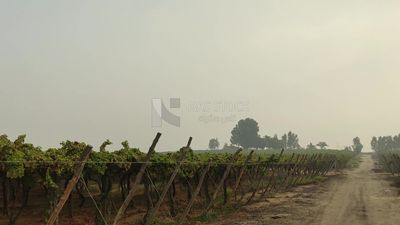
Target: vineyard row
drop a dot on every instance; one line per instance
(128, 186)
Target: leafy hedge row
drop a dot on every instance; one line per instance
(24, 166)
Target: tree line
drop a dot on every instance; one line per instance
(246, 135)
(383, 143)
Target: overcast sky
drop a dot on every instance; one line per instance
(88, 70)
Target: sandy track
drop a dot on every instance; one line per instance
(358, 197)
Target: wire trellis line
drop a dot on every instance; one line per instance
(139, 162)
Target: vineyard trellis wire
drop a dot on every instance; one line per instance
(159, 179)
(389, 160)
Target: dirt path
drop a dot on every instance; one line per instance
(358, 197)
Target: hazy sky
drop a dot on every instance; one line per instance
(87, 70)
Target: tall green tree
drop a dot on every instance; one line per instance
(292, 141)
(357, 146)
(322, 145)
(245, 134)
(275, 143)
(311, 146)
(284, 141)
(383, 143)
(213, 144)
(374, 143)
(348, 148)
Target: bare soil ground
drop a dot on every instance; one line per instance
(362, 196)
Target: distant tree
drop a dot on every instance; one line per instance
(213, 144)
(374, 143)
(229, 147)
(292, 141)
(357, 146)
(284, 141)
(261, 143)
(384, 143)
(348, 148)
(396, 141)
(272, 142)
(245, 134)
(322, 145)
(311, 147)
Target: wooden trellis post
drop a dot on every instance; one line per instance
(292, 172)
(138, 179)
(297, 171)
(270, 181)
(150, 217)
(276, 169)
(196, 192)
(219, 186)
(241, 173)
(264, 172)
(251, 177)
(307, 168)
(71, 184)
